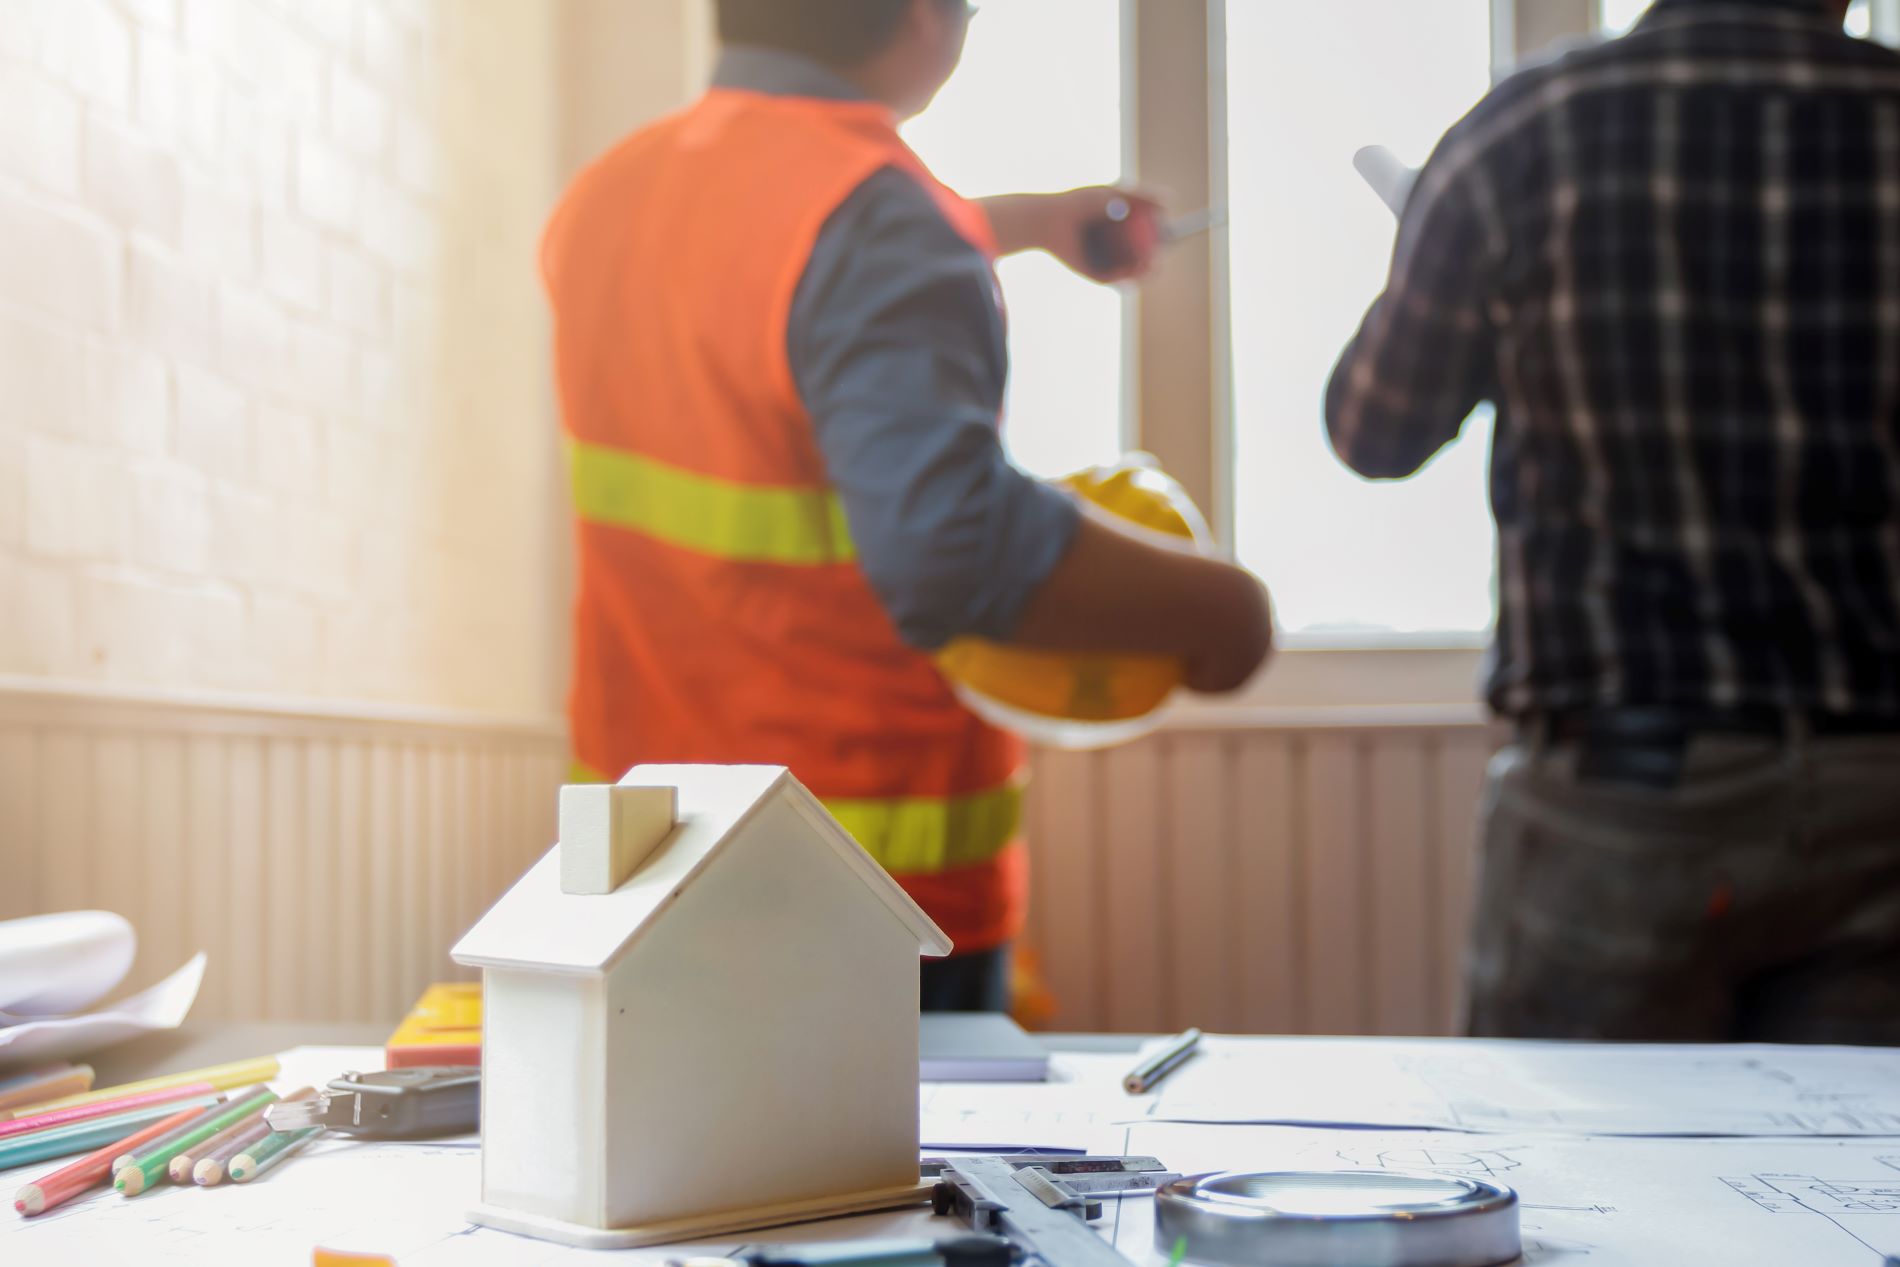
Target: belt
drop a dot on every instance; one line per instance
(1648, 725)
(1648, 745)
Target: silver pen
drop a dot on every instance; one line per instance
(1149, 1072)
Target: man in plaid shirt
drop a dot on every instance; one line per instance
(1673, 262)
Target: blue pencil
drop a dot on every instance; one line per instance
(81, 1137)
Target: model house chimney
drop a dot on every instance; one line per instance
(607, 831)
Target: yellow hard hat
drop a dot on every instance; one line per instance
(1071, 700)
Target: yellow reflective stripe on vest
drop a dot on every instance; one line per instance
(749, 523)
(912, 835)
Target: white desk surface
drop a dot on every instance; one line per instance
(1527, 1116)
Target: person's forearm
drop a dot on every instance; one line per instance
(1117, 592)
(1019, 222)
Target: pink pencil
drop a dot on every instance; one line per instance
(103, 1108)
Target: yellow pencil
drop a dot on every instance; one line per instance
(242, 1073)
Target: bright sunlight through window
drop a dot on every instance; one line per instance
(1308, 85)
(1036, 105)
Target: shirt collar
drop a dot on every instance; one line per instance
(1814, 8)
(757, 68)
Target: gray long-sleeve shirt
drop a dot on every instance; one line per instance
(898, 351)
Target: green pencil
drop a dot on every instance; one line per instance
(82, 1137)
(147, 1167)
(267, 1152)
(178, 1132)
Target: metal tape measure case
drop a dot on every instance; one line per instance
(1347, 1218)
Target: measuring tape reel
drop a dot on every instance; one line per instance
(1344, 1218)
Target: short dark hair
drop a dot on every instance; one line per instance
(835, 32)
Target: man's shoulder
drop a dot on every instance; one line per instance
(893, 207)
(1521, 97)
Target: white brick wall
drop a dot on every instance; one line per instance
(274, 405)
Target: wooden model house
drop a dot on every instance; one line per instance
(700, 1016)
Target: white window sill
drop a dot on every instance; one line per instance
(1380, 684)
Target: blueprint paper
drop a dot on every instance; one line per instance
(1588, 1201)
(1081, 1100)
(1563, 1088)
(1604, 1202)
(163, 1006)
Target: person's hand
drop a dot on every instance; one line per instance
(1104, 233)
(1236, 644)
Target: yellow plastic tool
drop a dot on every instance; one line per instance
(1077, 700)
(443, 1028)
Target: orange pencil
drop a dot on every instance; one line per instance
(41, 1085)
(91, 1170)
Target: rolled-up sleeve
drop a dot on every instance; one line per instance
(1422, 359)
(898, 351)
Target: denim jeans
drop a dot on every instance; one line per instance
(1751, 893)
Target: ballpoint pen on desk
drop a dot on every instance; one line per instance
(1145, 1076)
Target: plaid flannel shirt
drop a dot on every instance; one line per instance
(1672, 260)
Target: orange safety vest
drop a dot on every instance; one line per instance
(721, 615)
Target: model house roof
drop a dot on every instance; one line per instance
(537, 925)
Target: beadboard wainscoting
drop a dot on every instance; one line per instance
(1274, 876)
(326, 858)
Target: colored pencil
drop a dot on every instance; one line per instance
(30, 1090)
(83, 1137)
(242, 1073)
(209, 1172)
(89, 1171)
(147, 1167)
(176, 1133)
(103, 1108)
(183, 1168)
(267, 1152)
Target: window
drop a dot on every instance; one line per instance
(1308, 85)
(1014, 118)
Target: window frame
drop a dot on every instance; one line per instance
(1179, 332)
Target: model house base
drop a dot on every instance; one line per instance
(727, 1223)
